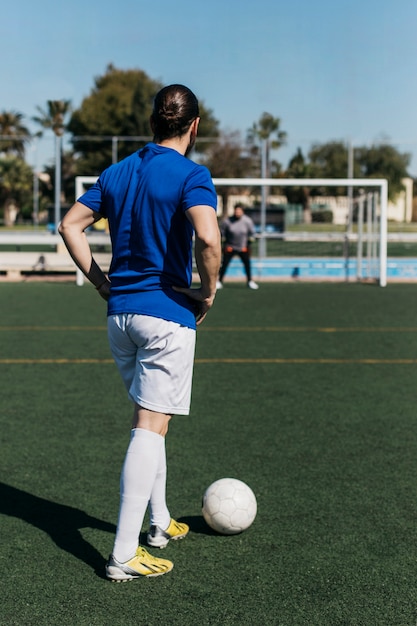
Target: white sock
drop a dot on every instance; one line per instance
(159, 512)
(136, 484)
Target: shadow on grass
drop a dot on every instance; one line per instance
(62, 523)
(198, 525)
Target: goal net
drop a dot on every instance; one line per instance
(330, 237)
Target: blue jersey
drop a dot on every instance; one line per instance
(145, 198)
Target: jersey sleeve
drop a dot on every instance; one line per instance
(199, 189)
(93, 198)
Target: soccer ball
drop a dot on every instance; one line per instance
(229, 506)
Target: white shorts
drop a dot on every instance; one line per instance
(155, 359)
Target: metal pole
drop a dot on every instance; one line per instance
(262, 240)
(36, 198)
(369, 222)
(35, 213)
(383, 234)
(374, 199)
(350, 189)
(114, 154)
(360, 238)
(57, 213)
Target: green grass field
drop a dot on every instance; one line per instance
(307, 392)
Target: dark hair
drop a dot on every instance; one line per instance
(175, 108)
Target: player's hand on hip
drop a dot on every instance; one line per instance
(203, 303)
(104, 290)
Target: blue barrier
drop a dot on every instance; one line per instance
(322, 268)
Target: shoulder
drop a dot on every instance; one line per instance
(197, 175)
(119, 170)
(198, 188)
(196, 169)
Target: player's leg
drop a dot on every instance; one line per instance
(157, 387)
(137, 478)
(163, 527)
(245, 257)
(140, 467)
(178, 358)
(228, 254)
(159, 513)
(128, 560)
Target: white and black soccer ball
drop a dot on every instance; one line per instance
(229, 506)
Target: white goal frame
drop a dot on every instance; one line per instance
(381, 185)
(377, 183)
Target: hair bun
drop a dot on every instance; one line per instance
(175, 107)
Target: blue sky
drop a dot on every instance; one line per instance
(334, 70)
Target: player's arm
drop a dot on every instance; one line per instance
(251, 233)
(251, 229)
(207, 256)
(72, 230)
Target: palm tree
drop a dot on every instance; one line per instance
(13, 133)
(54, 118)
(267, 131)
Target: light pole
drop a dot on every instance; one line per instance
(57, 213)
(36, 184)
(350, 189)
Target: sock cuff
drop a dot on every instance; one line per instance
(143, 433)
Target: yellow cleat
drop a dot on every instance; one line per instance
(142, 564)
(158, 538)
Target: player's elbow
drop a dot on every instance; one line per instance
(62, 228)
(66, 228)
(209, 238)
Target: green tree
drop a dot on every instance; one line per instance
(298, 167)
(207, 129)
(16, 183)
(119, 105)
(117, 111)
(14, 134)
(330, 160)
(384, 161)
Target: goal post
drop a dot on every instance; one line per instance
(372, 212)
(82, 183)
(381, 185)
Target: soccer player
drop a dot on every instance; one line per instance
(237, 232)
(154, 200)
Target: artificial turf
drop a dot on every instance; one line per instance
(304, 391)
